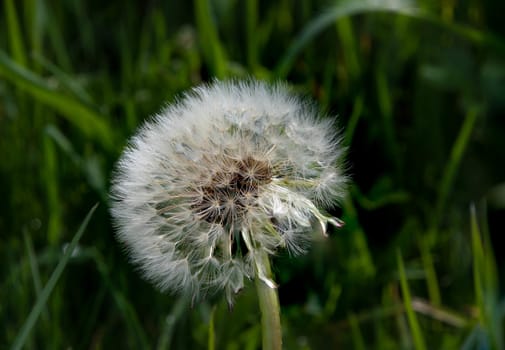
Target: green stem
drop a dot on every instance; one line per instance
(211, 342)
(270, 310)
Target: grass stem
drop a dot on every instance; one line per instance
(270, 311)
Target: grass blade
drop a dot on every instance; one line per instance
(251, 22)
(457, 152)
(431, 273)
(327, 18)
(14, 32)
(486, 285)
(209, 40)
(124, 306)
(48, 288)
(67, 81)
(357, 338)
(362, 260)
(385, 100)
(88, 121)
(478, 264)
(417, 335)
(89, 166)
(352, 7)
(52, 191)
(357, 112)
(170, 322)
(34, 268)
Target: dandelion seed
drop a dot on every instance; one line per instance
(232, 171)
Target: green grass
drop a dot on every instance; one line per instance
(419, 91)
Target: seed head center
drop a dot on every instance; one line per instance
(231, 191)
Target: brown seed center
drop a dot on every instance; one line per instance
(232, 190)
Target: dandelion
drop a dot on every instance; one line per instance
(216, 183)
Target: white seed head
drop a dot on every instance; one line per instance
(231, 171)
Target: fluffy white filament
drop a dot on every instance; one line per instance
(232, 170)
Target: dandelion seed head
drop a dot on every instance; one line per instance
(231, 170)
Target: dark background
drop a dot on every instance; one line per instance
(418, 90)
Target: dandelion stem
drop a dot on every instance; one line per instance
(270, 310)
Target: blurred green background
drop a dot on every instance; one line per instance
(419, 91)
